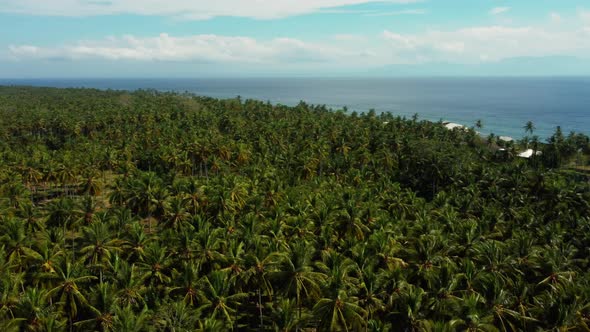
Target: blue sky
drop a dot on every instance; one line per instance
(173, 38)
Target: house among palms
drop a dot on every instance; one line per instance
(529, 153)
(450, 125)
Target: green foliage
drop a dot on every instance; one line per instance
(151, 211)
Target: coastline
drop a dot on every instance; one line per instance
(504, 105)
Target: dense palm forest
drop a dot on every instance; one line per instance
(152, 211)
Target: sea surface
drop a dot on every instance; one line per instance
(503, 105)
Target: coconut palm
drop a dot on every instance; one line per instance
(98, 246)
(177, 316)
(529, 127)
(15, 242)
(33, 310)
(126, 320)
(104, 305)
(67, 292)
(342, 313)
(296, 275)
(217, 298)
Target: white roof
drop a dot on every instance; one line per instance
(506, 138)
(451, 126)
(528, 153)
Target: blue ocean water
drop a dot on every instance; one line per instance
(503, 104)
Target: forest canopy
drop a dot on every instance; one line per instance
(155, 211)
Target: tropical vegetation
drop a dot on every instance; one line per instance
(158, 211)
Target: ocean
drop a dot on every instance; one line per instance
(503, 105)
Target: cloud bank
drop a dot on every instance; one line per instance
(197, 48)
(474, 44)
(467, 45)
(187, 9)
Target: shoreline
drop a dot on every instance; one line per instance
(503, 113)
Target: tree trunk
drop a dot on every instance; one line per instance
(260, 310)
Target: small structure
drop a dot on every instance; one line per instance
(451, 125)
(528, 153)
(506, 138)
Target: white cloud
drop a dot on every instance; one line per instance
(488, 33)
(585, 16)
(555, 17)
(499, 10)
(398, 12)
(349, 38)
(197, 48)
(24, 50)
(401, 41)
(188, 9)
(451, 47)
(467, 45)
(489, 43)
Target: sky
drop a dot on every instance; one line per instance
(210, 38)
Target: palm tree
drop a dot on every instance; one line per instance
(296, 275)
(535, 144)
(349, 223)
(87, 209)
(473, 316)
(156, 265)
(104, 302)
(31, 216)
(409, 306)
(91, 184)
(211, 325)
(439, 326)
(67, 292)
(284, 315)
(147, 196)
(33, 310)
(62, 213)
(129, 285)
(177, 215)
(260, 265)
(368, 295)
(126, 320)
(177, 316)
(208, 242)
(190, 278)
(341, 273)
(15, 242)
(217, 298)
(17, 194)
(478, 124)
(98, 246)
(136, 240)
(194, 195)
(342, 313)
(31, 177)
(11, 284)
(529, 127)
